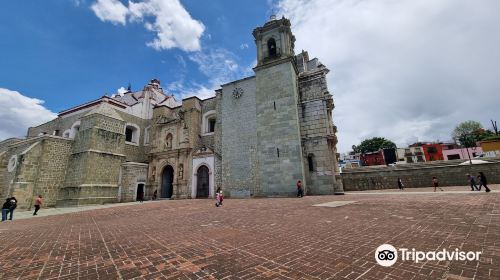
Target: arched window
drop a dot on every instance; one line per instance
(168, 141)
(132, 133)
(311, 163)
(74, 129)
(208, 122)
(271, 47)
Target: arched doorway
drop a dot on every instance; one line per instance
(167, 178)
(202, 182)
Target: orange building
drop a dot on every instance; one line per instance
(433, 152)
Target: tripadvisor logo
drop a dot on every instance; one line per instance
(387, 255)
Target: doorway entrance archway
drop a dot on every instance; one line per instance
(167, 179)
(140, 192)
(202, 182)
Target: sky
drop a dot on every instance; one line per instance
(405, 70)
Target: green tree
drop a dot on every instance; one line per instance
(374, 144)
(469, 132)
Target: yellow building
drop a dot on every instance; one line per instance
(491, 148)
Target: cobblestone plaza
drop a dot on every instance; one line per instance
(273, 238)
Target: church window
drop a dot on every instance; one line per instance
(74, 129)
(208, 122)
(271, 47)
(211, 125)
(132, 133)
(310, 162)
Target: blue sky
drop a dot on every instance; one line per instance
(405, 70)
(60, 52)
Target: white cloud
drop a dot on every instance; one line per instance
(172, 24)
(18, 112)
(121, 90)
(110, 10)
(219, 65)
(403, 69)
(244, 46)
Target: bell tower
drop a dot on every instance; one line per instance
(274, 40)
(279, 147)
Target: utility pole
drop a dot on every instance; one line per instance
(495, 128)
(465, 142)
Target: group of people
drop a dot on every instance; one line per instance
(10, 205)
(482, 182)
(472, 181)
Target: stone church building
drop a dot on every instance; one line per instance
(255, 138)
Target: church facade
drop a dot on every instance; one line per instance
(255, 138)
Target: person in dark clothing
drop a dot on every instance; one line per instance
(400, 184)
(13, 205)
(435, 183)
(5, 209)
(300, 190)
(155, 194)
(472, 182)
(483, 182)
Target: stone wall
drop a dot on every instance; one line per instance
(95, 162)
(417, 176)
(132, 174)
(136, 152)
(279, 145)
(238, 124)
(41, 164)
(318, 134)
(61, 123)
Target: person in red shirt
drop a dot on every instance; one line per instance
(38, 204)
(300, 191)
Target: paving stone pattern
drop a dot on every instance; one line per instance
(281, 238)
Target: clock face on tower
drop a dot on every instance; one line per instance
(237, 92)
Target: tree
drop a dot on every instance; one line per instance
(374, 144)
(469, 132)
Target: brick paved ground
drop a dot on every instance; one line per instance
(257, 239)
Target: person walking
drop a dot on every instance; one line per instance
(300, 191)
(435, 183)
(5, 209)
(218, 197)
(38, 204)
(472, 182)
(400, 184)
(13, 206)
(483, 182)
(155, 194)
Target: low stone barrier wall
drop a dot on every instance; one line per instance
(417, 176)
